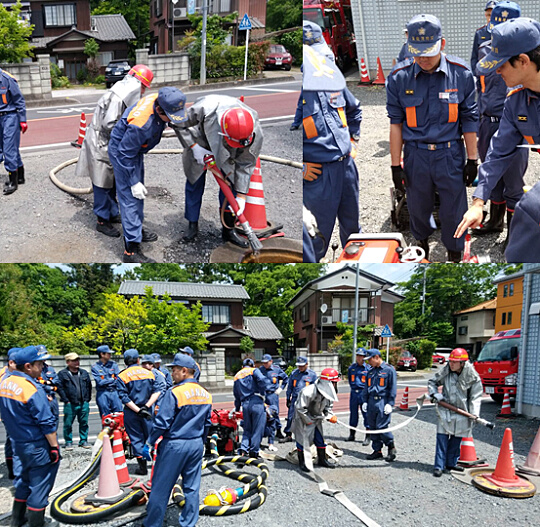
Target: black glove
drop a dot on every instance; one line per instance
(399, 178)
(54, 454)
(288, 404)
(144, 412)
(470, 172)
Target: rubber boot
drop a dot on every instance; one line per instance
(495, 222)
(18, 513)
(9, 464)
(106, 228)
(279, 434)
(392, 452)
(11, 186)
(454, 256)
(351, 436)
(425, 245)
(193, 230)
(321, 456)
(509, 216)
(149, 236)
(286, 439)
(366, 440)
(376, 454)
(20, 175)
(302, 461)
(229, 234)
(143, 467)
(133, 254)
(37, 519)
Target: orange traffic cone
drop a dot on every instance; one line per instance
(467, 454)
(364, 74)
(404, 405)
(82, 132)
(255, 211)
(120, 460)
(380, 75)
(506, 409)
(241, 98)
(532, 463)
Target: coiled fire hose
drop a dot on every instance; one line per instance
(253, 493)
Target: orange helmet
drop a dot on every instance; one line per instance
(329, 374)
(143, 73)
(237, 127)
(459, 354)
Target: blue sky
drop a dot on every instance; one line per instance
(391, 272)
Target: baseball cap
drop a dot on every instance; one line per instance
(156, 357)
(518, 35)
(131, 354)
(266, 358)
(184, 361)
(71, 356)
(502, 12)
(301, 361)
(425, 36)
(11, 353)
(30, 354)
(147, 358)
(248, 362)
(312, 33)
(362, 351)
(103, 349)
(172, 102)
(490, 5)
(187, 350)
(372, 353)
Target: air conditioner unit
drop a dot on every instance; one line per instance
(179, 12)
(327, 320)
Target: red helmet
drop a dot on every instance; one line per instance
(143, 73)
(329, 374)
(237, 127)
(459, 354)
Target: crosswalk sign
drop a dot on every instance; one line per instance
(245, 23)
(386, 332)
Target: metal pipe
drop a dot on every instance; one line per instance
(362, 25)
(355, 337)
(524, 335)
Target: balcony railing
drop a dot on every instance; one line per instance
(332, 316)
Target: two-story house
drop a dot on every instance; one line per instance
(509, 301)
(323, 302)
(223, 308)
(169, 22)
(475, 326)
(61, 29)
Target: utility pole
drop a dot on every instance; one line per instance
(203, 46)
(355, 338)
(424, 291)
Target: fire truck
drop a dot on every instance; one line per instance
(497, 364)
(335, 19)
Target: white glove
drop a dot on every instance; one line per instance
(231, 414)
(199, 152)
(139, 191)
(272, 448)
(438, 397)
(278, 390)
(241, 200)
(387, 409)
(309, 222)
(364, 407)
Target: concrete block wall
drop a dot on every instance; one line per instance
(34, 78)
(169, 70)
(319, 361)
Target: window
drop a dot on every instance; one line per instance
(258, 353)
(305, 312)
(511, 290)
(225, 6)
(505, 293)
(105, 57)
(60, 15)
(463, 330)
(216, 314)
(465, 317)
(509, 318)
(503, 321)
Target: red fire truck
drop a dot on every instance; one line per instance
(335, 19)
(497, 364)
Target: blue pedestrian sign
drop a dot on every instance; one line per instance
(386, 332)
(245, 23)
(191, 7)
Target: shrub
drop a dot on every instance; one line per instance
(100, 79)
(93, 69)
(425, 353)
(82, 75)
(57, 79)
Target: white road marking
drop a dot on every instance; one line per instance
(266, 89)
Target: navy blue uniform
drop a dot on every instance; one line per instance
(168, 378)
(183, 420)
(249, 389)
(404, 53)
(8, 446)
(272, 420)
(357, 380)
(481, 35)
(524, 245)
(435, 110)
(27, 416)
(330, 119)
(49, 382)
(380, 389)
(105, 376)
(297, 381)
(136, 384)
(137, 132)
(277, 378)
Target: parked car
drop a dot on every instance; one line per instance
(407, 361)
(115, 71)
(278, 57)
(438, 358)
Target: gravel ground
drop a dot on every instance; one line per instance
(402, 494)
(373, 161)
(40, 223)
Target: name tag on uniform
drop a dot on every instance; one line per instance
(444, 95)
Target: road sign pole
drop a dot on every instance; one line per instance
(246, 59)
(387, 348)
(203, 45)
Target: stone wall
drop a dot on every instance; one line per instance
(34, 78)
(319, 361)
(169, 70)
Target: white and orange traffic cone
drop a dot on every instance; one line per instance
(532, 463)
(255, 210)
(467, 454)
(82, 132)
(122, 472)
(506, 409)
(364, 74)
(404, 405)
(380, 75)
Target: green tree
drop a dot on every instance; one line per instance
(282, 14)
(246, 344)
(343, 343)
(217, 29)
(14, 35)
(95, 279)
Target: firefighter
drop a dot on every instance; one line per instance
(26, 413)
(12, 123)
(183, 419)
(431, 104)
(313, 406)
(162, 369)
(138, 392)
(105, 373)
(12, 461)
(491, 97)
(482, 34)
(189, 351)
(229, 130)
(515, 55)
(147, 362)
(300, 377)
(137, 132)
(357, 374)
(277, 381)
(379, 398)
(249, 388)
(270, 427)
(404, 52)
(94, 159)
(461, 387)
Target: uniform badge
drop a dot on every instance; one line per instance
(409, 92)
(522, 118)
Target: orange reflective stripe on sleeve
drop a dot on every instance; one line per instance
(452, 112)
(307, 383)
(294, 383)
(309, 127)
(483, 83)
(381, 381)
(352, 377)
(363, 378)
(4, 100)
(411, 116)
(529, 139)
(369, 381)
(274, 380)
(343, 117)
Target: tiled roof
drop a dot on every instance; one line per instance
(262, 328)
(110, 28)
(187, 290)
(489, 304)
